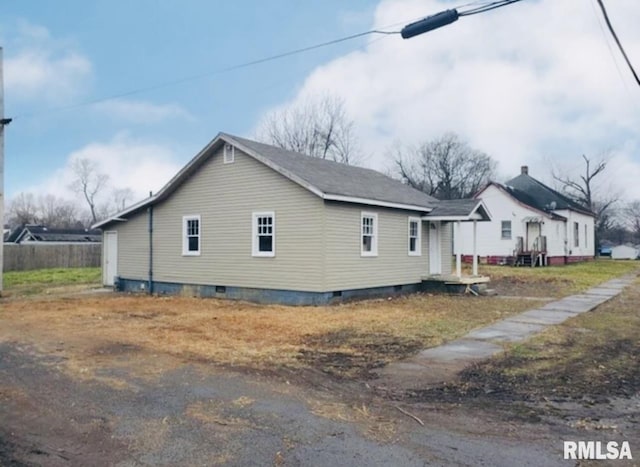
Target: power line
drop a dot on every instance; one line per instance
(615, 37)
(247, 64)
(488, 7)
(211, 73)
(607, 42)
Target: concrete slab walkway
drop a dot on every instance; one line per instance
(442, 363)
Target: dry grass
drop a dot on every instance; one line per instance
(556, 281)
(111, 328)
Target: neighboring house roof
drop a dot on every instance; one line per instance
(542, 197)
(328, 179)
(40, 233)
(536, 195)
(460, 209)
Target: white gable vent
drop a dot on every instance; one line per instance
(229, 153)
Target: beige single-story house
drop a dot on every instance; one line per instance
(247, 220)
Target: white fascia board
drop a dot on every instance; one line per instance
(118, 217)
(469, 218)
(373, 202)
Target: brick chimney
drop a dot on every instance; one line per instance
(524, 170)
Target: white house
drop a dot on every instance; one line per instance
(531, 225)
(624, 252)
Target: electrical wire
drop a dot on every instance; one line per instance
(606, 40)
(488, 7)
(485, 6)
(615, 37)
(210, 73)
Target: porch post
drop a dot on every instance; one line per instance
(458, 250)
(475, 244)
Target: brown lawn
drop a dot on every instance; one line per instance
(344, 340)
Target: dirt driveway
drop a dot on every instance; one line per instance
(189, 413)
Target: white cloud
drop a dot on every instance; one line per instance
(129, 163)
(43, 67)
(526, 83)
(141, 112)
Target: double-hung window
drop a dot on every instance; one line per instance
(191, 235)
(264, 234)
(576, 234)
(369, 234)
(506, 230)
(414, 236)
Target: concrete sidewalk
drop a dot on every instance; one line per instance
(442, 363)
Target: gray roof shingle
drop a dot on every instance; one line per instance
(536, 194)
(454, 207)
(340, 179)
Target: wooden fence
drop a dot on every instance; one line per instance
(25, 257)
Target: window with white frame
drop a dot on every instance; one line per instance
(369, 234)
(576, 234)
(191, 235)
(505, 233)
(264, 234)
(414, 236)
(229, 153)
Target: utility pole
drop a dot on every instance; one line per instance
(3, 122)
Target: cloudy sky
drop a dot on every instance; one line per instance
(536, 83)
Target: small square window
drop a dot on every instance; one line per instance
(229, 153)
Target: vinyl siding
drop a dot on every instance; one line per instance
(225, 196)
(446, 246)
(133, 247)
(347, 269)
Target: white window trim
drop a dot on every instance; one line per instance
(418, 251)
(255, 250)
(185, 238)
(229, 157)
(502, 236)
(374, 239)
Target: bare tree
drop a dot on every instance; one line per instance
(89, 182)
(121, 197)
(22, 209)
(632, 215)
(316, 127)
(585, 191)
(446, 167)
(57, 212)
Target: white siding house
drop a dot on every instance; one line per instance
(531, 224)
(247, 220)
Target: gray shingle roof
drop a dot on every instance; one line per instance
(335, 178)
(536, 194)
(459, 208)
